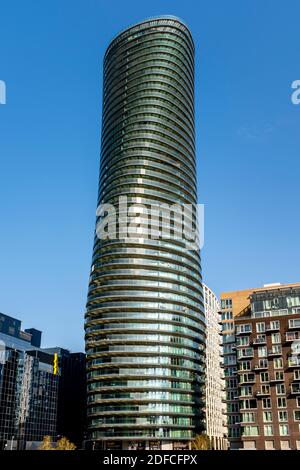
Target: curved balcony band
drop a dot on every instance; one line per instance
(144, 322)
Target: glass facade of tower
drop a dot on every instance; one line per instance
(145, 327)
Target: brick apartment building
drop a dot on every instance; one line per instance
(262, 367)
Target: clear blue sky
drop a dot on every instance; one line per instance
(247, 146)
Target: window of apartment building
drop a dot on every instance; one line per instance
(276, 338)
(244, 328)
(234, 432)
(246, 391)
(297, 374)
(226, 303)
(279, 375)
(269, 445)
(248, 417)
(249, 445)
(265, 389)
(293, 301)
(226, 316)
(242, 341)
(298, 402)
(280, 389)
(229, 360)
(250, 431)
(296, 388)
(267, 416)
(245, 352)
(278, 363)
(227, 349)
(233, 407)
(231, 395)
(264, 376)
(285, 445)
(234, 419)
(282, 416)
(231, 383)
(296, 415)
(276, 349)
(248, 404)
(262, 351)
(260, 327)
(292, 335)
(268, 430)
(266, 403)
(229, 371)
(296, 347)
(244, 378)
(283, 430)
(294, 360)
(274, 325)
(263, 363)
(228, 338)
(245, 365)
(260, 339)
(294, 323)
(281, 402)
(227, 326)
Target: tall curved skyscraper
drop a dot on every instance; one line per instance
(145, 327)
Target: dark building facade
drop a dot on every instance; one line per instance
(42, 391)
(71, 409)
(145, 325)
(28, 398)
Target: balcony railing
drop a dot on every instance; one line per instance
(292, 336)
(274, 352)
(250, 380)
(259, 341)
(261, 366)
(261, 393)
(245, 332)
(294, 324)
(274, 327)
(245, 355)
(294, 362)
(277, 379)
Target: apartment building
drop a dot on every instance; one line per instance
(216, 425)
(263, 367)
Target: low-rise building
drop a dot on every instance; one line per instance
(42, 391)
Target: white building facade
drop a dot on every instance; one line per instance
(216, 427)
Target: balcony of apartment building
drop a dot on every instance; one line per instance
(295, 388)
(265, 391)
(251, 405)
(245, 353)
(247, 418)
(294, 362)
(291, 336)
(244, 329)
(273, 326)
(247, 379)
(276, 350)
(294, 323)
(279, 377)
(296, 377)
(262, 365)
(259, 340)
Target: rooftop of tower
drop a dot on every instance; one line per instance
(147, 20)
